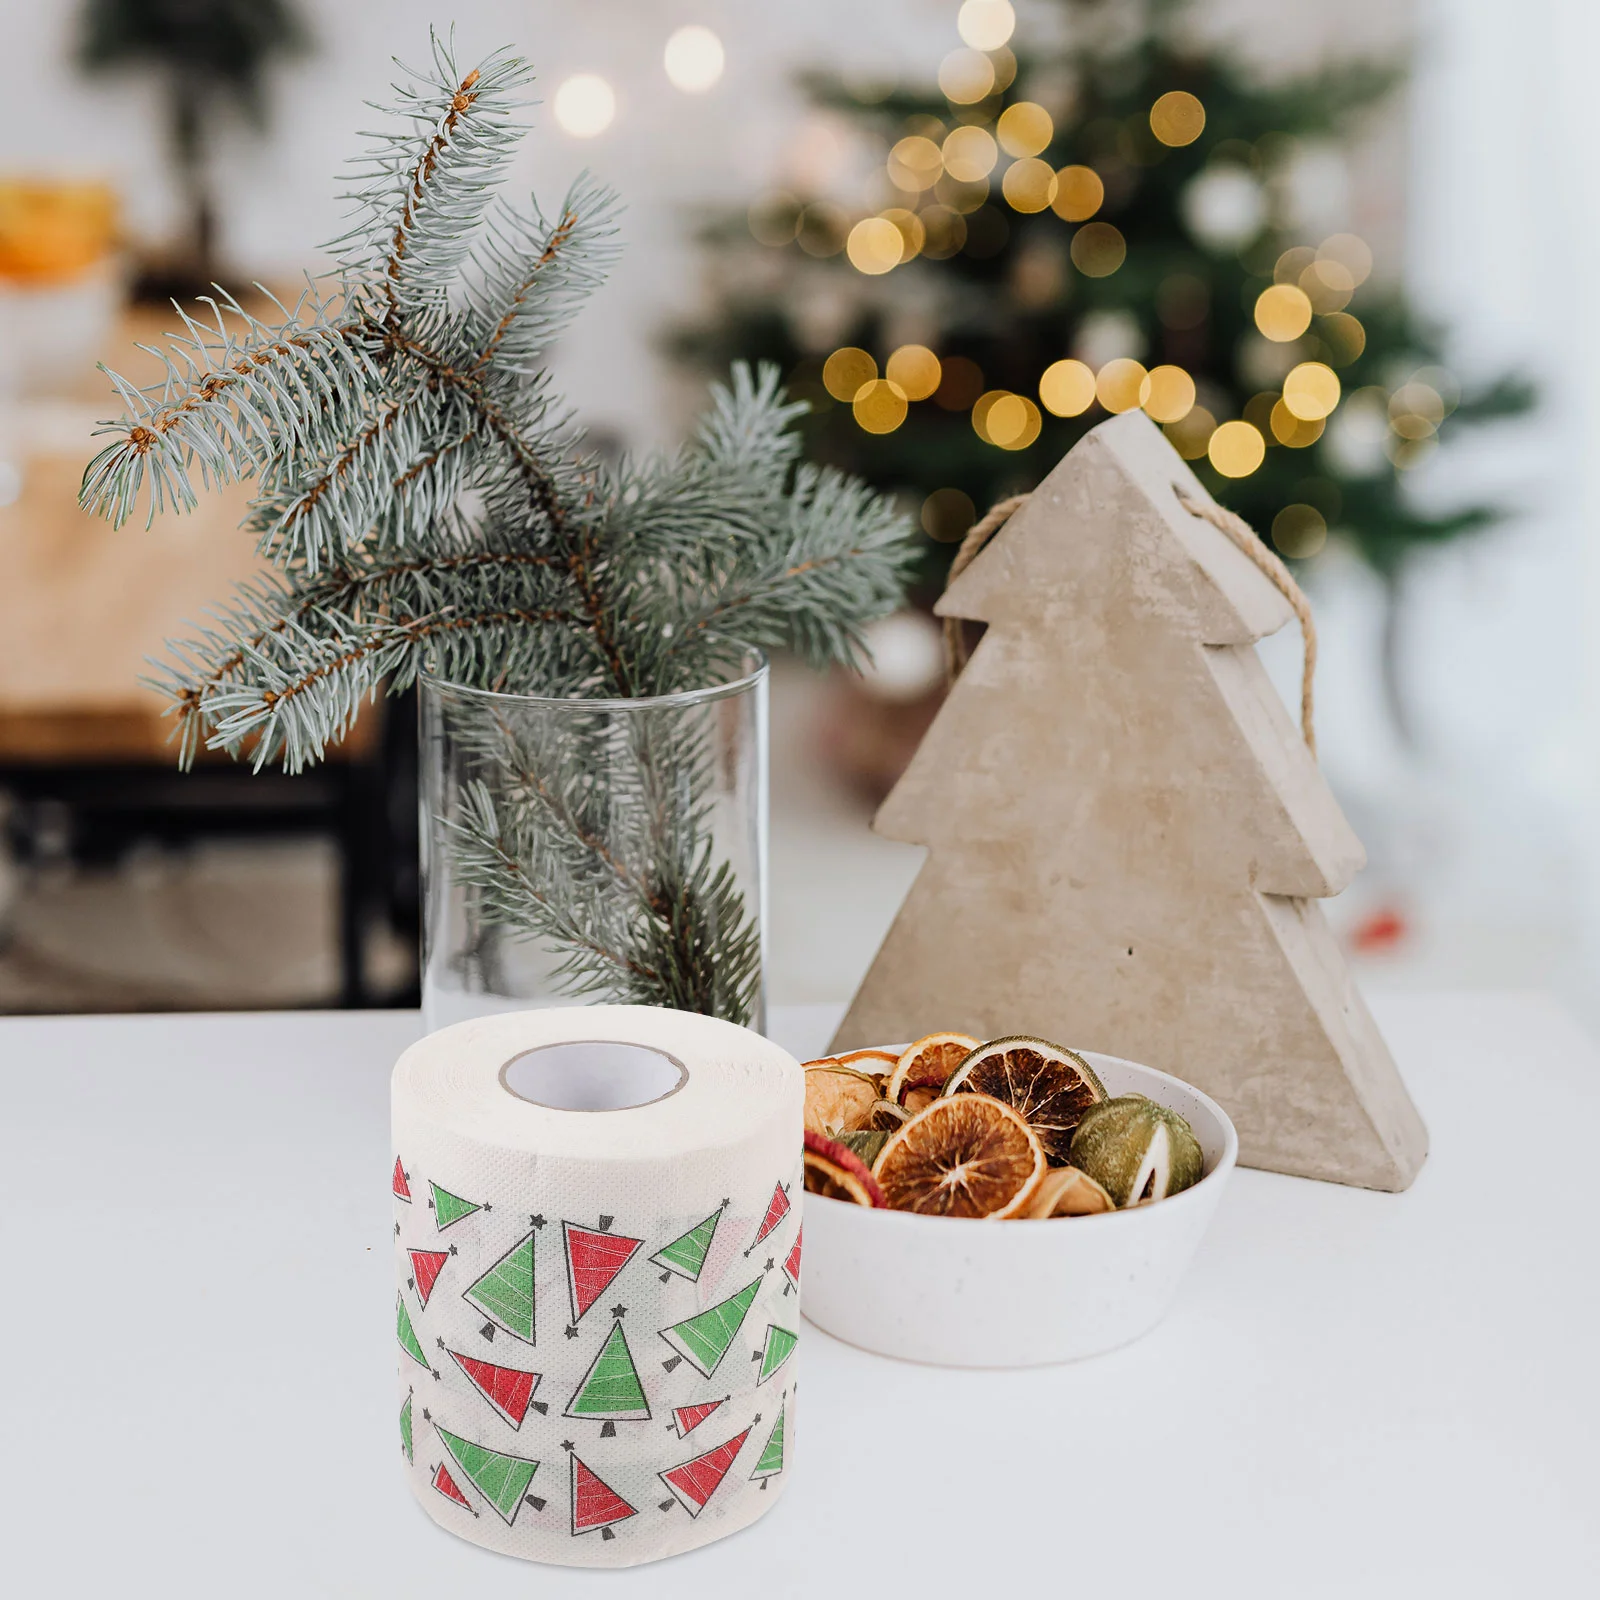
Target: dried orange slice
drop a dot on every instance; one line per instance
(1050, 1085)
(926, 1065)
(838, 1173)
(1067, 1192)
(838, 1098)
(968, 1156)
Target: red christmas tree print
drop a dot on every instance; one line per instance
(446, 1485)
(777, 1210)
(593, 1260)
(426, 1265)
(688, 1418)
(696, 1481)
(402, 1189)
(507, 1389)
(595, 1504)
(791, 1262)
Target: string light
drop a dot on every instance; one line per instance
(1067, 388)
(1098, 249)
(585, 105)
(1169, 394)
(693, 59)
(1008, 421)
(1283, 312)
(915, 368)
(847, 372)
(1236, 449)
(879, 407)
(1122, 385)
(1311, 391)
(966, 77)
(970, 154)
(874, 246)
(1177, 118)
(1024, 129)
(1029, 185)
(1079, 194)
(915, 163)
(986, 24)
(1296, 432)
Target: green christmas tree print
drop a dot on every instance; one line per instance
(505, 1292)
(771, 1462)
(406, 1443)
(611, 1390)
(779, 1347)
(406, 1334)
(686, 1255)
(704, 1339)
(502, 1480)
(449, 1208)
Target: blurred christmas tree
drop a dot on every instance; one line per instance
(211, 57)
(1069, 227)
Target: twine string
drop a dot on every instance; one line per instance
(1239, 533)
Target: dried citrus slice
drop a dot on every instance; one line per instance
(970, 1156)
(838, 1097)
(926, 1065)
(1050, 1085)
(887, 1115)
(1067, 1192)
(838, 1173)
(1137, 1150)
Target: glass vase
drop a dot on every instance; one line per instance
(581, 851)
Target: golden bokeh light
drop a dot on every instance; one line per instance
(963, 198)
(1029, 184)
(694, 59)
(985, 24)
(585, 105)
(1025, 129)
(774, 218)
(1299, 531)
(947, 514)
(1236, 449)
(1292, 263)
(913, 235)
(1328, 286)
(1353, 254)
(1311, 391)
(1409, 453)
(1079, 194)
(823, 227)
(1008, 421)
(915, 368)
(1192, 435)
(1098, 249)
(1257, 410)
(1169, 395)
(960, 384)
(874, 246)
(879, 407)
(970, 154)
(1344, 337)
(1177, 118)
(915, 163)
(1005, 68)
(1122, 385)
(1067, 388)
(944, 230)
(1291, 430)
(1416, 410)
(1283, 312)
(847, 372)
(966, 77)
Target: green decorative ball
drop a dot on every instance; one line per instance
(1137, 1150)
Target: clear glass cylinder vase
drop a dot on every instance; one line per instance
(581, 851)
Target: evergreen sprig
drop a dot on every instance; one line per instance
(427, 504)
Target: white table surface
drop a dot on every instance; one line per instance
(1356, 1394)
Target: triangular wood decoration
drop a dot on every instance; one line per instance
(1127, 835)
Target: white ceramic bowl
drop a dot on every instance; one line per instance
(965, 1293)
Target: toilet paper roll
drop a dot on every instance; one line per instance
(597, 1236)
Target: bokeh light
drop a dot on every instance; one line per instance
(1236, 449)
(966, 77)
(1024, 129)
(1328, 285)
(1344, 336)
(1299, 531)
(1177, 118)
(823, 227)
(1283, 312)
(693, 59)
(986, 24)
(1079, 194)
(1067, 388)
(879, 407)
(585, 105)
(1311, 391)
(1192, 435)
(1169, 396)
(1353, 254)
(1295, 432)
(847, 372)
(1098, 249)
(915, 163)
(1415, 410)
(1008, 421)
(970, 154)
(960, 384)
(964, 198)
(915, 369)
(913, 235)
(947, 514)
(944, 232)
(1029, 185)
(874, 246)
(1120, 385)
(774, 218)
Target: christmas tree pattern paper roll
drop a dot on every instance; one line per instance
(596, 1310)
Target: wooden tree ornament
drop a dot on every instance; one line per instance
(1127, 836)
